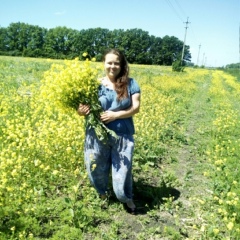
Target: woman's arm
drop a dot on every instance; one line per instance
(110, 116)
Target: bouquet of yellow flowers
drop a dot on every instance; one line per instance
(76, 82)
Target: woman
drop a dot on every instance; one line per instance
(120, 99)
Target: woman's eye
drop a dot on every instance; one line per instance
(114, 63)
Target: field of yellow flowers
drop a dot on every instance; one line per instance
(186, 162)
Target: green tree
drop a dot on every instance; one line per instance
(177, 66)
(171, 49)
(59, 42)
(17, 38)
(136, 44)
(20, 39)
(187, 55)
(155, 51)
(116, 39)
(36, 43)
(3, 40)
(94, 41)
(24, 39)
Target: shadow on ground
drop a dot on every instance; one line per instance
(148, 197)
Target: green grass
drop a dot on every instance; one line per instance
(186, 180)
(234, 72)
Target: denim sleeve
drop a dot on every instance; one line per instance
(133, 86)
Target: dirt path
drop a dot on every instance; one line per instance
(177, 219)
(192, 160)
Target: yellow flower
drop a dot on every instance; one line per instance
(230, 226)
(229, 194)
(220, 210)
(84, 54)
(14, 172)
(94, 166)
(202, 228)
(46, 168)
(55, 172)
(42, 166)
(215, 231)
(75, 82)
(9, 189)
(206, 174)
(68, 149)
(30, 235)
(76, 172)
(13, 228)
(194, 226)
(75, 189)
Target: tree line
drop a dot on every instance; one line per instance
(233, 66)
(21, 39)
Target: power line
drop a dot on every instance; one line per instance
(171, 6)
(180, 13)
(179, 6)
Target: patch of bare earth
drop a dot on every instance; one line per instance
(191, 162)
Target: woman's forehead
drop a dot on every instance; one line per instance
(112, 57)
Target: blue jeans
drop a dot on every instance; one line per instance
(115, 155)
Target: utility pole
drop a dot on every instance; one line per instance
(187, 22)
(203, 59)
(198, 54)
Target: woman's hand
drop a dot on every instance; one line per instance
(108, 116)
(83, 110)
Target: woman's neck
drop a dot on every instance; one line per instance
(107, 82)
(111, 79)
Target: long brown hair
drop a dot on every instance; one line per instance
(121, 82)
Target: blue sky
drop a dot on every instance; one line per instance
(214, 24)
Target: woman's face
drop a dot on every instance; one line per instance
(112, 66)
